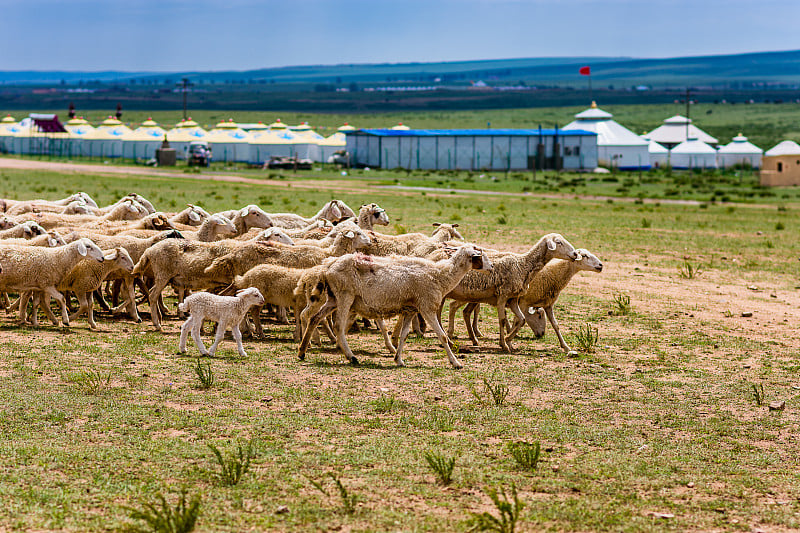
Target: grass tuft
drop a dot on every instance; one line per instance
(526, 454)
(587, 337)
(509, 512)
(236, 465)
(496, 392)
(623, 303)
(160, 517)
(441, 466)
(758, 394)
(205, 375)
(349, 501)
(688, 270)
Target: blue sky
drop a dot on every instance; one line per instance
(170, 35)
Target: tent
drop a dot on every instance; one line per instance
(184, 133)
(143, 142)
(39, 134)
(740, 152)
(617, 146)
(784, 148)
(693, 153)
(312, 150)
(8, 130)
(659, 155)
(335, 143)
(279, 143)
(106, 139)
(401, 127)
(229, 142)
(79, 129)
(678, 129)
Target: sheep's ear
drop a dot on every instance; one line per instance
(112, 255)
(350, 234)
(551, 244)
(51, 242)
(335, 211)
(244, 211)
(454, 225)
(194, 217)
(132, 207)
(579, 256)
(82, 248)
(27, 230)
(436, 224)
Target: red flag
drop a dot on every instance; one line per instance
(585, 71)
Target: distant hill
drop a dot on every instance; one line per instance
(752, 68)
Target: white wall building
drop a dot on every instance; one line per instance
(693, 154)
(739, 152)
(678, 129)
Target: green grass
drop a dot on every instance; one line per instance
(665, 401)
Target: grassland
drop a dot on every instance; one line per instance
(653, 429)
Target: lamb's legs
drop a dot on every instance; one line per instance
(83, 307)
(430, 316)
(326, 309)
(185, 334)
(342, 322)
(451, 324)
(222, 326)
(42, 301)
(237, 336)
(553, 322)
(52, 291)
(386, 340)
(476, 314)
(513, 304)
(255, 314)
(405, 326)
(471, 308)
(154, 298)
(90, 310)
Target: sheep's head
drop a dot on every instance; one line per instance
(377, 214)
(157, 221)
(144, 202)
(588, 261)
(255, 217)
(344, 209)
(54, 239)
(7, 223)
(121, 257)
(358, 238)
(478, 258)
(77, 207)
(223, 225)
(448, 230)
(195, 215)
(537, 320)
(275, 235)
(86, 199)
(87, 248)
(32, 229)
(558, 247)
(251, 295)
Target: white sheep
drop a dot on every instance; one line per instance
(382, 287)
(24, 230)
(274, 235)
(212, 229)
(193, 215)
(335, 210)
(224, 310)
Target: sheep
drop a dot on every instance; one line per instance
(224, 310)
(212, 229)
(250, 216)
(407, 243)
(50, 239)
(30, 268)
(76, 207)
(193, 215)
(17, 206)
(378, 287)
(335, 210)
(127, 210)
(143, 228)
(546, 286)
(316, 230)
(87, 276)
(274, 235)
(371, 214)
(512, 272)
(223, 269)
(25, 230)
(277, 284)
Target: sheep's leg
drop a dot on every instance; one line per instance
(326, 309)
(154, 298)
(42, 301)
(68, 299)
(222, 325)
(513, 304)
(471, 310)
(451, 324)
(501, 319)
(133, 312)
(82, 307)
(405, 327)
(197, 324)
(184, 335)
(298, 333)
(255, 313)
(237, 336)
(52, 291)
(553, 322)
(342, 321)
(116, 286)
(475, 317)
(5, 301)
(281, 316)
(386, 340)
(430, 316)
(22, 308)
(419, 325)
(101, 301)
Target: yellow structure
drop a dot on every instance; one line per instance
(780, 170)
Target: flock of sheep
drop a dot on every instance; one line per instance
(329, 269)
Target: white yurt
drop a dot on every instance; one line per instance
(303, 132)
(784, 148)
(400, 126)
(229, 142)
(617, 146)
(9, 128)
(184, 132)
(739, 152)
(106, 139)
(143, 142)
(335, 143)
(22, 142)
(693, 153)
(273, 143)
(659, 155)
(79, 129)
(678, 129)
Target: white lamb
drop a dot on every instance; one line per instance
(224, 310)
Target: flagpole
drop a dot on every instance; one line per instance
(590, 87)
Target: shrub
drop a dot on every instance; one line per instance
(441, 466)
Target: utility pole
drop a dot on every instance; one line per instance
(184, 85)
(687, 113)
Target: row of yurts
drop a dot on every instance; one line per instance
(677, 142)
(229, 141)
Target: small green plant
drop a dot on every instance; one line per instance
(526, 454)
(758, 393)
(623, 303)
(384, 404)
(688, 270)
(502, 220)
(349, 501)
(92, 381)
(779, 226)
(205, 375)
(235, 466)
(160, 517)
(496, 392)
(509, 510)
(646, 223)
(587, 337)
(441, 466)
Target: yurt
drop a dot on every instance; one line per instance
(273, 143)
(22, 142)
(79, 129)
(617, 146)
(780, 165)
(659, 155)
(229, 142)
(678, 129)
(106, 139)
(184, 133)
(311, 150)
(739, 152)
(335, 143)
(693, 153)
(143, 142)
(8, 130)
(400, 126)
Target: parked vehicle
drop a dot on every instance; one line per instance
(199, 154)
